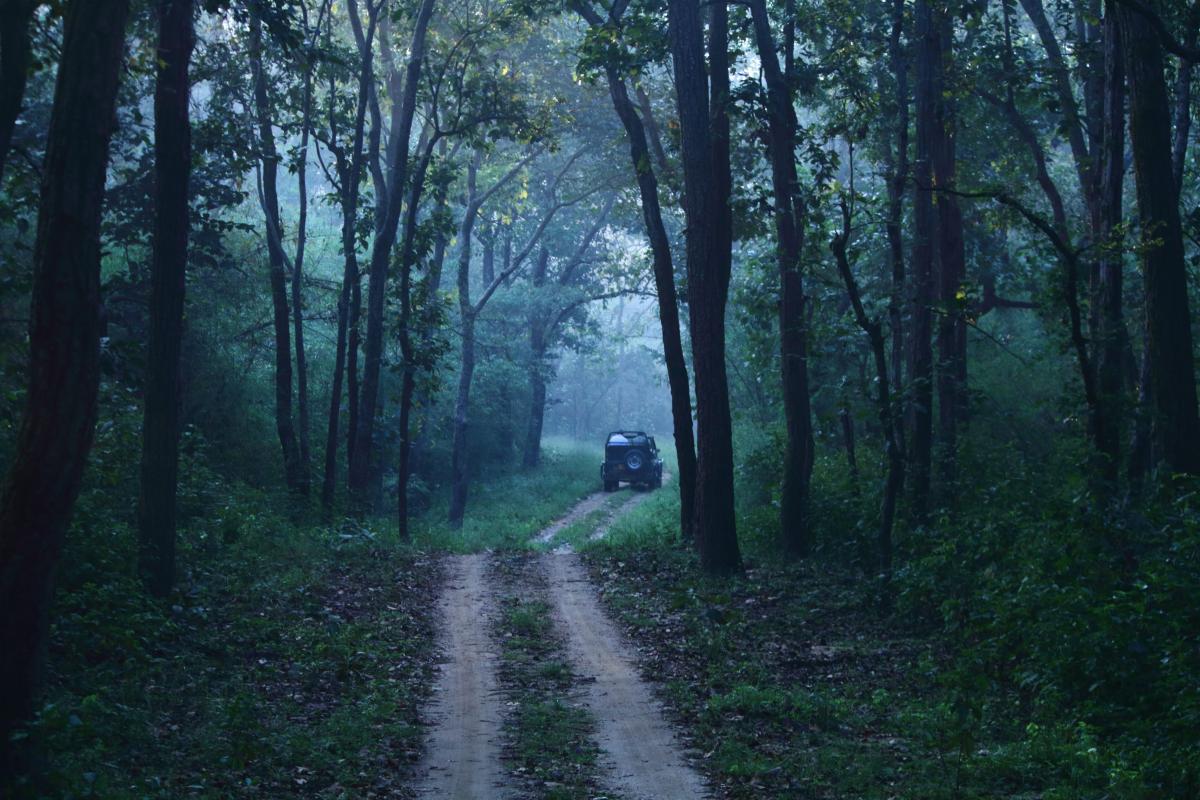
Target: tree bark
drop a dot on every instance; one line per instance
(950, 260)
(466, 372)
(409, 352)
(363, 459)
(704, 139)
(16, 50)
(920, 408)
(279, 300)
(168, 271)
(59, 418)
(794, 525)
(889, 413)
(668, 302)
(1168, 320)
(349, 300)
(897, 179)
(298, 287)
(1112, 334)
(532, 453)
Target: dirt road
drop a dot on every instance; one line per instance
(643, 759)
(462, 760)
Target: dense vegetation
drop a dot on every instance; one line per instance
(296, 295)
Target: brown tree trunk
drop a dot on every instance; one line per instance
(950, 261)
(789, 229)
(537, 368)
(920, 407)
(16, 50)
(1112, 334)
(408, 351)
(1168, 320)
(345, 365)
(466, 371)
(897, 180)
(298, 288)
(277, 258)
(59, 418)
(668, 302)
(705, 145)
(363, 458)
(889, 413)
(168, 271)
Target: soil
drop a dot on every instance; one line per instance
(641, 756)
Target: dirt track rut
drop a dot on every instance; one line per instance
(643, 759)
(462, 759)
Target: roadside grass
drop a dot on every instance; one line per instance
(785, 681)
(290, 661)
(504, 512)
(549, 742)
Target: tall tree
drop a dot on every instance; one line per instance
(64, 349)
(789, 246)
(664, 267)
(920, 359)
(704, 140)
(348, 182)
(403, 112)
(168, 271)
(277, 258)
(16, 51)
(1168, 319)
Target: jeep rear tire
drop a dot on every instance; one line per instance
(635, 460)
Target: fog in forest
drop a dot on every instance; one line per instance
(578, 399)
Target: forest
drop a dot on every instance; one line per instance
(627, 399)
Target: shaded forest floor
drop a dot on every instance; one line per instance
(300, 661)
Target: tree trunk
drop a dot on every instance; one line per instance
(1112, 334)
(407, 314)
(16, 50)
(279, 300)
(897, 180)
(462, 403)
(537, 367)
(298, 289)
(668, 302)
(466, 372)
(889, 412)
(59, 418)
(364, 459)
(789, 228)
(349, 301)
(168, 271)
(920, 450)
(950, 262)
(1168, 320)
(705, 145)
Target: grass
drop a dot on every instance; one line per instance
(787, 681)
(548, 732)
(505, 511)
(291, 661)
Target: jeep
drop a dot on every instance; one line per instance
(632, 457)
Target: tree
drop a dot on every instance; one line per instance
(663, 263)
(1168, 319)
(16, 51)
(403, 112)
(789, 246)
(704, 141)
(64, 340)
(269, 199)
(168, 274)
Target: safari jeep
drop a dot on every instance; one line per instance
(632, 457)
